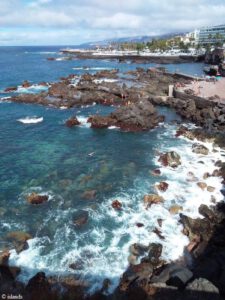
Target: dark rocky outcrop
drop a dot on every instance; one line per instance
(72, 122)
(171, 159)
(135, 117)
(36, 199)
(152, 199)
(200, 149)
(116, 204)
(162, 186)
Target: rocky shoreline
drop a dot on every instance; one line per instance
(200, 272)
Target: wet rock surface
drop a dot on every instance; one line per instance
(72, 122)
(171, 159)
(36, 199)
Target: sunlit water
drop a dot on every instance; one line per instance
(39, 153)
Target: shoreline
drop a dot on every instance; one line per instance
(135, 58)
(61, 91)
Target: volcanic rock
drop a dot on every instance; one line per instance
(101, 121)
(116, 204)
(202, 185)
(175, 209)
(152, 199)
(89, 195)
(36, 199)
(156, 172)
(81, 219)
(171, 159)
(200, 149)
(155, 251)
(26, 84)
(19, 240)
(72, 122)
(10, 89)
(210, 189)
(162, 186)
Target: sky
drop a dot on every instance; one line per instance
(71, 22)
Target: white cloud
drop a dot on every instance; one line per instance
(97, 19)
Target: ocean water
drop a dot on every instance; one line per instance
(39, 153)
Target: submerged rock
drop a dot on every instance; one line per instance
(36, 199)
(89, 195)
(152, 199)
(81, 219)
(171, 159)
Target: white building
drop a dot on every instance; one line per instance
(190, 38)
(211, 35)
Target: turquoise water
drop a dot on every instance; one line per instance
(50, 158)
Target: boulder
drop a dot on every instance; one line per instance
(10, 89)
(26, 84)
(174, 275)
(72, 122)
(162, 186)
(202, 185)
(152, 199)
(135, 273)
(81, 219)
(137, 116)
(138, 249)
(200, 149)
(89, 195)
(154, 254)
(206, 212)
(171, 159)
(206, 175)
(36, 199)
(4, 258)
(204, 287)
(19, 240)
(116, 204)
(139, 225)
(156, 172)
(210, 189)
(199, 227)
(101, 121)
(180, 277)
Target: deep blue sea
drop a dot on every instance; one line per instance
(48, 157)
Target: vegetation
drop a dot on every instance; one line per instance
(156, 45)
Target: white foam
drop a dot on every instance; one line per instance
(105, 80)
(107, 245)
(35, 88)
(92, 68)
(30, 120)
(83, 121)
